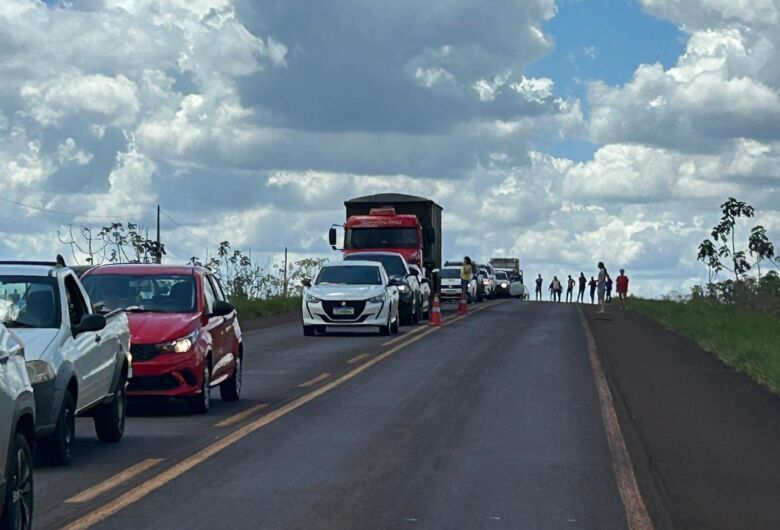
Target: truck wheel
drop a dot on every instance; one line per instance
(18, 505)
(56, 448)
(309, 331)
(109, 418)
(201, 403)
(230, 390)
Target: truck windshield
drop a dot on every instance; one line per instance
(368, 238)
(504, 263)
(29, 302)
(349, 275)
(394, 265)
(450, 273)
(169, 293)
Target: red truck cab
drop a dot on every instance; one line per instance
(185, 336)
(384, 230)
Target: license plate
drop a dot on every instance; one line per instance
(343, 311)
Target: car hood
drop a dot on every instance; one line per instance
(346, 292)
(154, 328)
(35, 341)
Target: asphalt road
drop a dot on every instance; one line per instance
(491, 421)
(496, 420)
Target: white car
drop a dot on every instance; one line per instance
(17, 435)
(348, 295)
(451, 286)
(78, 360)
(425, 291)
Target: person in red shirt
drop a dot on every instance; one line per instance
(621, 285)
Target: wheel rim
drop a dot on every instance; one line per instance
(70, 425)
(23, 490)
(238, 375)
(206, 388)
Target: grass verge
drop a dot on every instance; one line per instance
(263, 308)
(743, 339)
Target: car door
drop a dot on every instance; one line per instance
(84, 349)
(218, 330)
(228, 328)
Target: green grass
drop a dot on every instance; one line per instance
(262, 308)
(743, 339)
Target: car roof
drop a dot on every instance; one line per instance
(145, 269)
(32, 269)
(375, 253)
(352, 263)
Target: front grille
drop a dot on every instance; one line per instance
(143, 352)
(152, 383)
(357, 305)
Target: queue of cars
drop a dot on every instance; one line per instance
(73, 346)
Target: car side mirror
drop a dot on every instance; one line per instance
(332, 237)
(393, 282)
(222, 308)
(99, 307)
(413, 273)
(306, 282)
(89, 323)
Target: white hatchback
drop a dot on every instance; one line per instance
(348, 295)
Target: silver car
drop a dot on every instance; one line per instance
(17, 434)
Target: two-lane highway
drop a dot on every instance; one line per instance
(492, 421)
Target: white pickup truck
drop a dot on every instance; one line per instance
(78, 360)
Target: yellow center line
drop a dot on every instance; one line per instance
(142, 490)
(404, 336)
(357, 358)
(118, 479)
(314, 381)
(241, 415)
(636, 512)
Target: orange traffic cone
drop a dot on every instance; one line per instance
(435, 316)
(462, 309)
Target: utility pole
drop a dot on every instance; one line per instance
(285, 272)
(158, 249)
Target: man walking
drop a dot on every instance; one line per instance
(621, 284)
(581, 292)
(602, 287)
(557, 289)
(570, 288)
(539, 283)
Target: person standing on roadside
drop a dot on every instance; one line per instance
(466, 273)
(570, 288)
(581, 292)
(609, 289)
(621, 285)
(539, 283)
(557, 288)
(592, 283)
(602, 287)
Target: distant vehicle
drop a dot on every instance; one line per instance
(509, 265)
(408, 283)
(425, 291)
(78, 360)
(185, 334)
(481, 291)
(350, 294)
(451, 286)
(488, 280)
(502, 284)
(394, 222)
(17, 434)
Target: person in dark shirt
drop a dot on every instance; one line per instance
(609, 289)
(592, 284)
(581, 292)
(570, 288)
(539, 283)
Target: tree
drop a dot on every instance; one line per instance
(725, 234)
(760, 247)
(115, 243)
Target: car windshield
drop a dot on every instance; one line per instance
(394, 265)
(367, 238)
(501, 276)
(450, 273)
(163, 293)
(349, 275)
(29, 302)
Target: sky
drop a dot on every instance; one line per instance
(564, 133)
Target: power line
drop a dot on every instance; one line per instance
(52, 210)
(177, 223)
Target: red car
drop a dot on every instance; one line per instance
(185, 337)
